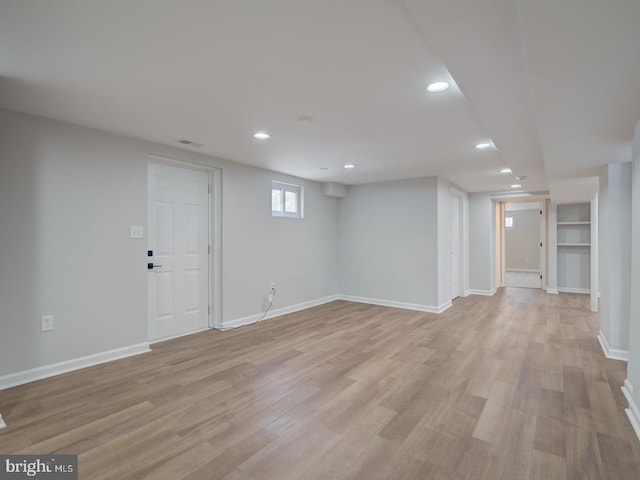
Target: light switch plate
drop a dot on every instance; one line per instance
(136, 231)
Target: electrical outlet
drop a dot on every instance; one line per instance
(46, 323)
(273, 286)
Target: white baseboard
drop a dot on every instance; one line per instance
(552, 291)
(2, 424)
(633, 412)
(628, 386)
(584, 291)
(248, 320)
(394, 304)
(46, 371)
(486, 293)
(466, 293)
(609, 352)
(171, 337)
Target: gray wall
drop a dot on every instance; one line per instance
(482, 250)
(614, 253)
(522, 243)
(633, 366)
(388, 241)
(300, 256)
(67, 197)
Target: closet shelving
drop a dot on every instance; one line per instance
(574, 247)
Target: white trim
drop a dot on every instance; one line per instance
(486, 293)
(633, 412)
(2, 424)
(552, 291)
(609, 352)
(526, 270)
(250, 319)
(394, 304)
(298, 190)
(214, 319)
(628, 385)
(467, 293)
(171, 337)
(462, 243)
(584, 291)
(521, 197)
(46, 371)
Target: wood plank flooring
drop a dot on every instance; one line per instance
(512, 386)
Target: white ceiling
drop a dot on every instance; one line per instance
(554, 84)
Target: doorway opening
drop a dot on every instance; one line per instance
(522, 245)
(183, 248)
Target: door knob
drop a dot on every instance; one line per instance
(151, 266)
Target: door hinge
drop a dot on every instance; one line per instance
(540, 277)
(209, 250)
(540, 212)
(540, 243)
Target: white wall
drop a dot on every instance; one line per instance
(482, 241)
(388, 242)
(67, 197)
(614, 249)
(633, 369)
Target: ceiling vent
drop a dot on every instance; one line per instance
(189, 143)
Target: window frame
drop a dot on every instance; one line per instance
(513, 223)
(283, 188)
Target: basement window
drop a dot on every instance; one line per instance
(286, 200)
(508, 222)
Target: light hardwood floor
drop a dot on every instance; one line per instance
(512, 386)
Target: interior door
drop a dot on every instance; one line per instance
(179, 246)
(455, 246)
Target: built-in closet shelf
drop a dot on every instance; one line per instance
(573, 247)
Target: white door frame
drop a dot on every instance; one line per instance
(461, 283)
(502, 244)
(215, 231)
(464, 240)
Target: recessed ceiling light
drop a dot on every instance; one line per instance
(504, 170)
(261, 135)
(483, 145)
(516, 185)
(349, 165)
(324, 168)
(436, 87)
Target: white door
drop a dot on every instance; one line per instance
(179, 243)
(455, 246)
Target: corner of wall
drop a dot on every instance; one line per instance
(611, 353)
(633, 412)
